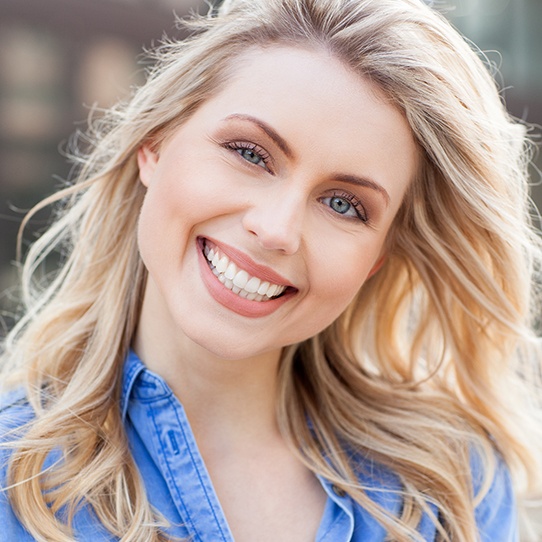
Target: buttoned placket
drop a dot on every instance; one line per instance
(155, 414)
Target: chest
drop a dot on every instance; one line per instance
(268, 496)
(234, 499)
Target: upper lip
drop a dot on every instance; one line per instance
(243, 261)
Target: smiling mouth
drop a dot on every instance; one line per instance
(238, 280)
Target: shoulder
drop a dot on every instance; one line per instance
(496, 514)
(15, 412)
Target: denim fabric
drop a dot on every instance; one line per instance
(179, 486)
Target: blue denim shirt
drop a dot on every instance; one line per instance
(179, 486)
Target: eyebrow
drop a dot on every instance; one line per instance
(362, 181)
(281, 143)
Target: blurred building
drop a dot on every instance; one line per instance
(60, 57)
(508, 32)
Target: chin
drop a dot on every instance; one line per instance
(221, 343)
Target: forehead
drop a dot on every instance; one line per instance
(301, 77)
(326, 112)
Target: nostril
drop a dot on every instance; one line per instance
(277, 228)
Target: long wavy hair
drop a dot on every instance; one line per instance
(436, 358)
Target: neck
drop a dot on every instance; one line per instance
(228, 402)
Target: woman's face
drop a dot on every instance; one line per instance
(267, 210)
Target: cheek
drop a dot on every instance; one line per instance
(343, 265)
(191, 190)
(339, 286)
(170, 203)
(148, 231)
(162, 227)
(337, 275)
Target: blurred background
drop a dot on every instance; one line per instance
(60, 57)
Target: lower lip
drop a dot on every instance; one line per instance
(233, 302)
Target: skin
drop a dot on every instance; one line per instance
(256, 168)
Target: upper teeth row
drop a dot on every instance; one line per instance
(238, 280)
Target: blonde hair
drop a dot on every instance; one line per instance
(436, 360)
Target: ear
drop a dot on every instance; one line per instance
(376, 267)
(147, 160)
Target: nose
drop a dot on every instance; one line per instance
(277, 222)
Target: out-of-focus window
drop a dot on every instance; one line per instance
(508, 31)
(58, 59)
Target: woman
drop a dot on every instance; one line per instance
(295, 296)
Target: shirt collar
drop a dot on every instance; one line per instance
(376, 480)
(133, 367)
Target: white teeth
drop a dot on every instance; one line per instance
(271, 290)
(238, 280)
(222, 264)
(241, 279)
(231, 271)
(264, 286)
(252, 285)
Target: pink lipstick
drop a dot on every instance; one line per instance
(239, 283)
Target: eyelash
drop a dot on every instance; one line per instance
(354, 201)
(246, 145)
(235, 146)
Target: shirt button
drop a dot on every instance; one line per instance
(338, 491)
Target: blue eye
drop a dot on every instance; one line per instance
(251, 153)
(251, 156)
(339, 205)
(346, 205)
